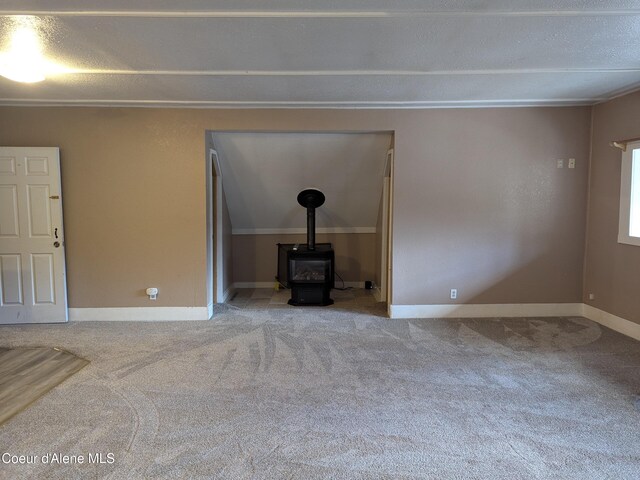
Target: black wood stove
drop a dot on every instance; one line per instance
(308, 269)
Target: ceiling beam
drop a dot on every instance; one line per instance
(363, 104)
(320, 14)
(339, 73)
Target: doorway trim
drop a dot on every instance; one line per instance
(215, 264)
(219, 258)
(215, 254)
(383, 294)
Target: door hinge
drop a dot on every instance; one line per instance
(55, 197)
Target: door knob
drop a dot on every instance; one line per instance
(56, 244)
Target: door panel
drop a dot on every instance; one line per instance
(39, 210)
(37, 166)
(7, 166)
(42, 278)
(9, 211)
(32, 260)
(11, 280)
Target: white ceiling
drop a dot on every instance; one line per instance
(330, 53)
(262, 174)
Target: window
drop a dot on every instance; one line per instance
(629, 227)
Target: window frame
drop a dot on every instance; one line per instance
(626, 191)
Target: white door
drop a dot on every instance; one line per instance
(32, 268)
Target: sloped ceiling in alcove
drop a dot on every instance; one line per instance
(262, 173)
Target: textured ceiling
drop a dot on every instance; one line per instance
(262, 174)
(329, 53)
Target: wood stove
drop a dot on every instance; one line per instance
(308, 269)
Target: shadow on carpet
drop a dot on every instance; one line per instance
(26, 374)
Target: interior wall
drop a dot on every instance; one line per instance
(612, 269)
(133, 194)
(479, 204)
(255, 256)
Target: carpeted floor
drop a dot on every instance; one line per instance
(279, 392)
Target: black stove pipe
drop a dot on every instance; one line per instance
(311, 199)
(311, 228)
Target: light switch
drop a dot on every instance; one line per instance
(571, 163)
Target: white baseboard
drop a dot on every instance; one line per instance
(139, 314)
(619, 324)
(486, 310)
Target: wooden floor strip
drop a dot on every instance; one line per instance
(28, 373)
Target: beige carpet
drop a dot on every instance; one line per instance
(279, 392)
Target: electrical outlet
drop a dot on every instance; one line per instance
(454, 293)
(571, 163)
(560, 163)
(592, 296)
(152, 292)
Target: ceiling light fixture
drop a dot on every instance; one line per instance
(24, 62)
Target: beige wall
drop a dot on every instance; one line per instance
(479, 204)
(133, 184)
(255, 256)
(612, 270)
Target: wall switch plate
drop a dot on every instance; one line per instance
(454, 293)
(560, 163)
(571, 163)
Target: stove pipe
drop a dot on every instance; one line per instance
(311, 228)
(311, 199)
